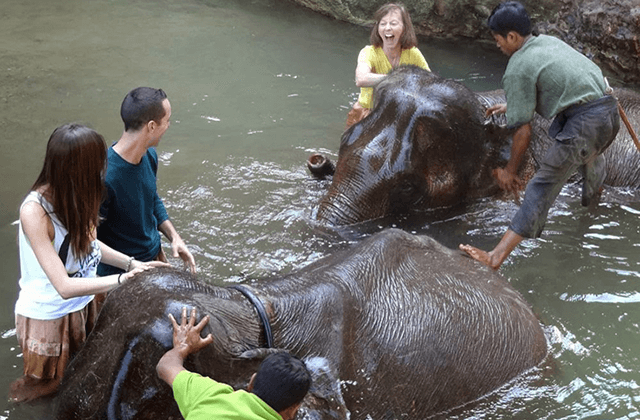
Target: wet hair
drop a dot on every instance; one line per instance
(509, 16)
(142, 105)
(73, 174)
(282, 381)
(408, 38)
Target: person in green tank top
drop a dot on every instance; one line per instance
(547, 76)
(275, 392)
(393, 43)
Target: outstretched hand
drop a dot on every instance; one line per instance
(180, 249)
(186, 336)
(496, 109)
(139, 266)
(509, 182)
(186, 340)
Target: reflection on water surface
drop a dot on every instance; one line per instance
(255, 88)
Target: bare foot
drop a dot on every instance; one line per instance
(479, 255)
(28, 389)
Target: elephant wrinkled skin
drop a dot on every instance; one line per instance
(397, 324)
(427, 144)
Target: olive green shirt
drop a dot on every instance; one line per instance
(547, 76)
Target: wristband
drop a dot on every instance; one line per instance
(119, 275)
(129, 264)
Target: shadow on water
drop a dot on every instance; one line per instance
(443, 224)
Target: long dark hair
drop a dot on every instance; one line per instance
(408, 38)
(72, 174)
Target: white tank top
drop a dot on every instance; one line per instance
(38, 299)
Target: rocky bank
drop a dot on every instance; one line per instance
(607, 31)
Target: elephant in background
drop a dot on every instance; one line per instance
(427, 144)
(622, 156)
(395, 325)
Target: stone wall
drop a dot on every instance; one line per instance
(607, 31)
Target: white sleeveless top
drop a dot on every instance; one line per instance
(38, 299)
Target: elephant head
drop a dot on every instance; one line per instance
(426, 144)
(113, 376)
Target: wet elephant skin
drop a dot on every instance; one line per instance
(427, 144)
(395, 325)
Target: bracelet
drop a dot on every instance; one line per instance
(119, 275)
(129, 264)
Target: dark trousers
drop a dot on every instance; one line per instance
(581, 134)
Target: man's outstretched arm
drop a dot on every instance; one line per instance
(186, 340)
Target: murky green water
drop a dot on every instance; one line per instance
(256, 86)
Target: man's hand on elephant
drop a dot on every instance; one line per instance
(496, 109)
(509, 182)
(180, 249)
(186, 336)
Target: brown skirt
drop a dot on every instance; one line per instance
(48, 345)
(357, 114)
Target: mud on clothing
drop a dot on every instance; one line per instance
(549, 77)
(132, 210)
(202, 398)
(379, 63)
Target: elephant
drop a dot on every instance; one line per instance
(394, 325)
(427, 144)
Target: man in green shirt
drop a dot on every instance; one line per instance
(275, 392)
(547, 76)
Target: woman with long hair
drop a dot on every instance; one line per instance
(393, 43)
(59, 254)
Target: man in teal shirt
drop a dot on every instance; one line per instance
(547, 76)
(133, 212)
(275, 392)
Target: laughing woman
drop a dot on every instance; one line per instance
(59, 255)
(393, 43)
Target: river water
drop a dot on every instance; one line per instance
(257, 86)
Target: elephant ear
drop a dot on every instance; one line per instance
(500, 139)
(324, 400)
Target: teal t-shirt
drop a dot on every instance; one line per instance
(547, 76)
(133, 210)
(202, 398)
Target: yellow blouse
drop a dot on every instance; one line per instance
(379, 63)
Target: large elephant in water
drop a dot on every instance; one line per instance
(396, 325)
(427, 144)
